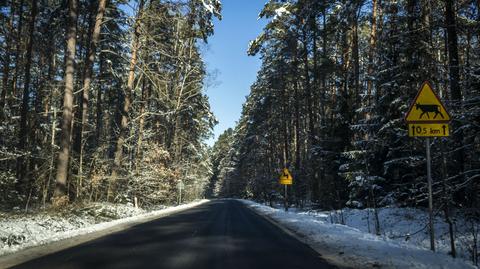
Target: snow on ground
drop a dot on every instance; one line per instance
(355, 247)
(408, 225)
(21, 231)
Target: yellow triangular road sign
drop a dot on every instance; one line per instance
(427, 107)
(286, 178)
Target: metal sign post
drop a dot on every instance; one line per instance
(286, 179)
(427, 117)
(430, 195)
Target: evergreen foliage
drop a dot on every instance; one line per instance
(329, 101)
(157, 106)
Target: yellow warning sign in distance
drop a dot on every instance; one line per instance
(286, 178)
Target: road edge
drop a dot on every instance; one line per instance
(33, 252)
(327, 254)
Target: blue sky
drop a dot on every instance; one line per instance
(227, 57)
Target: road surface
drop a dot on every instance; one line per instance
(221, 234)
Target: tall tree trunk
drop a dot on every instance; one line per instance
(67, 117)
(6, 62)
(297, 128)
(22, 143)
(323, 100)
(315, 73)
(371, 55)
(98, 116)
(429, 70)
(145, 95)
(308, 91)
(296, 119)
(126, 108)
(52, 66)
(346, 47)
(356, 60)
(18, 48)
(80, 78)
(285, 113)
(446, 201)
(453, 62)
(311, 115)
(87, 80)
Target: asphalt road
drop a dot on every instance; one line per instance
(221, 234)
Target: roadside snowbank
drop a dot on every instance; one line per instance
(405, 225)
(18, 232)
(348, 246)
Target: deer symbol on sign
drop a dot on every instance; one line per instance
(429, 108)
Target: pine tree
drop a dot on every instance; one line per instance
(67, 118)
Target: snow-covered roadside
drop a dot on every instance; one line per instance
(19, 233)
(405, 225)
(347, 246)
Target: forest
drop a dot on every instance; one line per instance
(104, 103)
(329, 102)
(103, 100)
